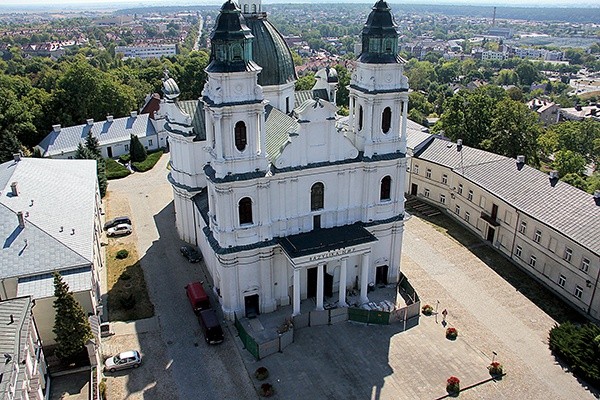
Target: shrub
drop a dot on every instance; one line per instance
(124, 158)
(127, 302)
(451, 333)
(577, 346)
(453, 385)
(261, 373)
(115, 170)
(148, 163)
(137, 151)
(427, 310)
(266, 390)
(122, 254)
(102, 388)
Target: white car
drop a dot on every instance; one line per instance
(126, 359)
(121, 229)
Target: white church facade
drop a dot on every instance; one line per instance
(284, 203)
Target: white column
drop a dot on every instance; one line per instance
(218, 137)
(296, 292)
(342, 298)
(320, 287)
(364, 279)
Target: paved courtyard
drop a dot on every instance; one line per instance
(349, 360)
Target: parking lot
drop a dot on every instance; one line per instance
(349, 360)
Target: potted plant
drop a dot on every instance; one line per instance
(266, 390)
(261, 373)
(453, 385)
(495, 369)
(451, 333)
(427, 310)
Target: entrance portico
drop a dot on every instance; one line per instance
(329, 247)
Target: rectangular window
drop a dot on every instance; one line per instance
(518, 251)
(538, 236)
(126, 147)
(416, 169)
(482, 202)
(585, 265)
(460, 189)
(507, 217)
(562, 280)
(552, 245)
(149, 142)
(523, 227)
(442, 199)
(427, 193)
(445, 179)
(568, 255)
(457, 209)
(578, 291)
(428, 173)
(467, 216)
(532, 261)
(470, 196)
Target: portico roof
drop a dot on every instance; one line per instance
(324, 240)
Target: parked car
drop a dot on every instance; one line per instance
(209, 322)
(190, 253)
(197, 296)
(124, 360)
(105, 330)
(117, 221)
(121, 229)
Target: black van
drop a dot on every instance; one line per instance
(213, 334)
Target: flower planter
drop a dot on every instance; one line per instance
(451, 333)
(261, 373)
(266, 390)
(427, 310)
(496, 370)
(453, 386)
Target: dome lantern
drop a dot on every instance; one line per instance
(380, 36)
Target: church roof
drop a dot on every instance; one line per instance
(270, 52)
(278, 126)
(195, 109)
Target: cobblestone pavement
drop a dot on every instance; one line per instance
(183, 366)
(356, 361)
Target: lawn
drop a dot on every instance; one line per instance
(115, 170)
(127, 292)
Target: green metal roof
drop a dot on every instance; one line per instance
(278, 125)
(270, 52)
(195, 109)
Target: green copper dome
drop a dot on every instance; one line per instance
(231, 42)
(270, 52)
(380, 37)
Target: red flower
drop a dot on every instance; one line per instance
(453, 381)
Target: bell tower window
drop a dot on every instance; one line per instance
(386, 188)
(245, 210)
(386, 120)
(241, 138)
(360, 118)
(236, 52)
(317, 194)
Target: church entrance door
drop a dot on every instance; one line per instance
(381, 275)
(311, 282)
(251, 306)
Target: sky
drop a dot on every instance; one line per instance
(500, 3)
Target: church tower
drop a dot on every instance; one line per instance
(378, 88)
(233, 100)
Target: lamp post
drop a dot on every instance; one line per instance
(494, 356)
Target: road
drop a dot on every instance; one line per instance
(198, 371)
(200, 28)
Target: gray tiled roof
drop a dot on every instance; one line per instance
(195, 109)
(277, 127)
(562, 207)
(120, 129)
(58, 199)
(13, 341)
(41, 286)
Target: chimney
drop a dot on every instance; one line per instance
(56, 128)
(14, 190)
(133, 114)
(593, 111)
(90, 121)
(17, 157)
(578, 107)
(459, 144)
(21, 219)
(597, 197)
(73, 231)
(109, 118)
(553, 174)
(12, 319)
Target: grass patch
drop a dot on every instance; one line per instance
(115, 170)
(127, 293)
(149, 162)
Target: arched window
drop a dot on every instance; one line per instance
(360, 118)
(245, 8)
(236, 52)
(386, 188)
(241, 139)
(386, 120)
(253, 8)
(245, 210)
(317, 194)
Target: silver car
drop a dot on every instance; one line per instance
(121, 229)
(126, 359)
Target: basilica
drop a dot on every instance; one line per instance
(286, 199)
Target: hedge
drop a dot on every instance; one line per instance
(115, 170)
(579, 347)
(148, 163)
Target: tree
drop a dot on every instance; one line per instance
(306, 82)
(9, 145)
(527, 73)
(514, 131)
(71, 326)
(342, 95)
(568, 162)
(137, 152)
(420, 74)
(91, 151)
